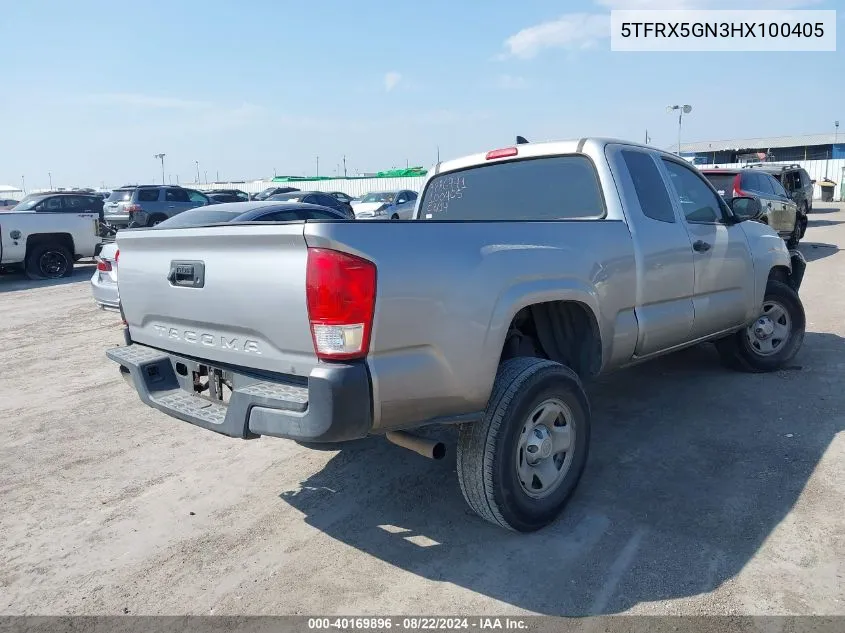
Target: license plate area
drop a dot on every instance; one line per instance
(211, 383)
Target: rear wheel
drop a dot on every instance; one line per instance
(519, 465)
(156, 220)
(773, 338)
(49, 261)
(394, 217)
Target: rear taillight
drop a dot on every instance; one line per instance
(103, 265)
(341, 295)
(132, 208)
(116, 255)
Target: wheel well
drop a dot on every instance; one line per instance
(563, 331)
(157, 216)
(779, 273)
(39, 239)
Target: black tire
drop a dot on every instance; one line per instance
(156, 219)
(489, 450)
(49, 261)
(795, 237)
(394, 217)
(738, 352)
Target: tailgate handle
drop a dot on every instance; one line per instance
(187, 274)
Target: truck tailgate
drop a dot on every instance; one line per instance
(230, 294)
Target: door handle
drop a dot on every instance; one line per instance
(701, 246)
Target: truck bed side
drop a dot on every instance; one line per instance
(447, 292)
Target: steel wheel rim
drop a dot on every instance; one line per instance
(769, 332)
(52, 264)
(545, 448)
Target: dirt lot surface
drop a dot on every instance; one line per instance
(707, 491)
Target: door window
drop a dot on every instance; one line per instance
(50, 204)
(148, 195)
(777, 187)
(77, 203)
(699, 203)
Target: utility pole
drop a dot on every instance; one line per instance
(344, 165)
(438, 153)
(206, 176)
(198, 171)
(23, 184)
(682, 110)
(161, 158)
(318, 166)
(50, 176)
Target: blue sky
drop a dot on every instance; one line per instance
(91, 90)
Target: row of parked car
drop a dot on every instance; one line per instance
(149, 205)
(154, 206)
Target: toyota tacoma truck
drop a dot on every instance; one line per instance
(524, 272)
(45, 245)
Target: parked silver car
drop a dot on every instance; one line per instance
(104, 280)
(385, 205)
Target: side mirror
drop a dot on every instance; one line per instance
(745, 208)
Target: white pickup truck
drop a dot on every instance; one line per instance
(45, 245)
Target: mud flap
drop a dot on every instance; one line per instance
(799, 265)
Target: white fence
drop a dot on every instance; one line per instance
(818, 170)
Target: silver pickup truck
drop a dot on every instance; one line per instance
(525, 272)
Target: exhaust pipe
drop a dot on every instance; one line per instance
(425, 447)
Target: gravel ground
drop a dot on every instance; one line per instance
(707, 491)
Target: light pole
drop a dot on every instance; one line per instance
(198, 171)
(23, 184)
(50, 176)
(318, 167)
(682, 110)
(161, 158)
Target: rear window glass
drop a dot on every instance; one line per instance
(120, 195)
(551, 188)
(722, 183)
(200, 216)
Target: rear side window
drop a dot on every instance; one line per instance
(651, 192)
(751, 181)
(176, 195)
(553, 188)
(147, 195)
